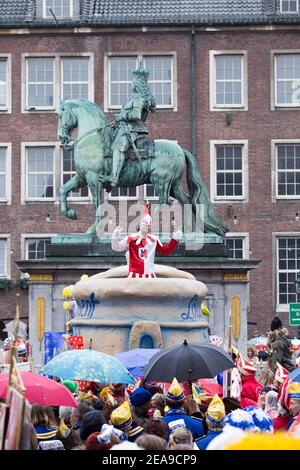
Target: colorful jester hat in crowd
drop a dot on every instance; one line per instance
(121, 417)
(175, 392)
(280, 373)
(216, 411)
(260, 419)
(294, 390)
(146, 216)
(244, 367)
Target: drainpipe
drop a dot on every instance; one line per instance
(193, 92)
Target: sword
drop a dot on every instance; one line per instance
(134, 148)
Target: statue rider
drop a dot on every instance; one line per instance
(131, 122)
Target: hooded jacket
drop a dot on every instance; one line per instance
(280, 344)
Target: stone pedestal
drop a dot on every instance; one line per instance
(226, 280)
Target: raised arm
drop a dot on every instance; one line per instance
(168, 248)
(116, 243)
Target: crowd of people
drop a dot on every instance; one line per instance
(263, 407)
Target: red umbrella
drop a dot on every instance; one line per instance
(41, 390)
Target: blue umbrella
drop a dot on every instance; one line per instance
(135, 359)
(295, 375)
(87, 364)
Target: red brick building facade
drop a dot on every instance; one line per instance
(246, 127)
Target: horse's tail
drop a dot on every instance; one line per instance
(198, 195)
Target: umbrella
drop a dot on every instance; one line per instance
(187, 362)
(89, 365)
(135, 359)
(41, 390)
(295, 375)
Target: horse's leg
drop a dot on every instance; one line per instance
(95, 188)
(74, 183)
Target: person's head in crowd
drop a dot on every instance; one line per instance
(108, 437)
(262, 397)
(280, 375)
(121, 417)
(180, 435)
(191, 407)
(266, 377)
(91, 422)
(251, 351)
(183, 447)
(276, 324)
(65, 414)
(244, 367)
(215, 413)
(157, 427)
(98, 404)
(42, 416)
(151, 442)
(95, 388)
(85, 397)
(294, 394)
(153, 388)
(231, 404)
(158, 402)
(68, 436)
(175, 396)
(118, 392)
(78, 413)
(271, 401)
(140, 399)
(55, 411)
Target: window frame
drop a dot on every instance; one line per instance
(7, 108)
(212, 81)
(7, 198)
(149, 198)
(57, 87)
(274, 144)
(245, 237)
(213, 169)
(60, 17)
(7, 238)
(24, 169)
(289, 12)
(30, 236)
(140, 59)
(124, 198)
(274, 53)
(275, 237)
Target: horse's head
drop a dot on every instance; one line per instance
(67, 121)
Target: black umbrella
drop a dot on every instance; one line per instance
(187, 362)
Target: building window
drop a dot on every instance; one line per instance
(161, 81)
(40, 82)
(123, 193)
(288, 263)
(75, 78)
(39, 172)
(289, 6)
(60, 8)
(149, 192)
(3, 257)
(68, 171)
(3, 84)
(288, 170)
(229, 72)
(236, 247)
(3, 173)
(287, 80)
(36, 248)
(229, 171)
(49, 79)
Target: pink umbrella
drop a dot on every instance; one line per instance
(41, 390)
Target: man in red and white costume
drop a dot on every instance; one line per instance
(142, 246)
